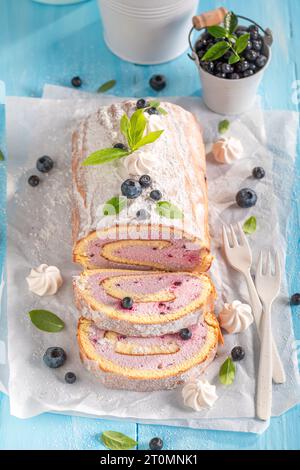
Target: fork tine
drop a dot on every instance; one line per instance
(242, 235)
(225, 239)
(233, 235)
(269, 263)
(277, 264)
(260, 264)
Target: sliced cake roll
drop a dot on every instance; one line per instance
(146, 210)
(147, 364)
(155, 303)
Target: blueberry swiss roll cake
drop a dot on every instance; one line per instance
(147, 364)
(140, 195)
(143, 303)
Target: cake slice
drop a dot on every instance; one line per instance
(147, 364)
(163, 302)
(173, 235)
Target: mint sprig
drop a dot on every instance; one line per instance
(227, 372)
(114, 205)
(231, 43)
(133, 130)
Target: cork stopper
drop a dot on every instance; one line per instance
(209, 18)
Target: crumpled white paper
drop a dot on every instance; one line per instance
(40, 232)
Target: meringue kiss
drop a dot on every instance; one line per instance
(236, 317)
(227, 150)
(44, 280)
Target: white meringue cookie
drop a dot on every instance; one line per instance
(236, 317)
(44, 280)
(199, 394)
(227, 150)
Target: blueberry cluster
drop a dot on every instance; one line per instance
(252, 59)
(44, 165)
(132, 189)
(142, 103)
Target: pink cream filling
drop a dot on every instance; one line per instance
(188, 348)
(176, 256)
(186, 288)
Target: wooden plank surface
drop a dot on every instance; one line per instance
(46, 44)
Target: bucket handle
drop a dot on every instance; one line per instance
(214, 17)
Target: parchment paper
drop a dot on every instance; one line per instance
(40, 231)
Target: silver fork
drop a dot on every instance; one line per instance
(268, 287)
(239, 256)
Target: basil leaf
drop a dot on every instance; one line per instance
(230, 22)
(114, 205)
(148, 139)
(117, 441)
(233, 59)
(216, 51)
(138, 124)
(224, 126)
(242, 43)
(250, 225)
(104, 156)
(125, 128)
(1, 156)
(168, 210)
(217, 31)
(227, 372)
(106, 86)
(161, 110)
(46, 321)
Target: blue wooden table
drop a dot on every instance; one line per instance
(46, 44)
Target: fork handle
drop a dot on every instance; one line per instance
(264, 381)
(278, 370)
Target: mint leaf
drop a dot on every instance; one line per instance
(216, 51)
(230, 22)
(114, 205)
(224, 126)
(154, 104)
(104, 156)
(242, 43)
(106, 86)
(1, 156)
(250, 225)
(138, 124)
(117, 441)
(148, 139)
(161, 110)
(233, 59)
(227, 372)
(168, 210)
(217, 32)
(46, 321)
(125, 128)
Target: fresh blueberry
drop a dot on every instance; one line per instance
(254, 32)
(261, 61)
(158, 82)
(54, 357)
(142, 214)
(248, 73)
(121, 146)
(145, 181)
(218, 67)
(208, 66)
(221, 75)
(152, 110)
(295, 299)
(249, 46)
(242, 66)
(76, 82)
(33, 180)
(141, 103)
(227, 55)
(252, 67)
(234, 76)
(257, 45)
(127, 303)
(44, 164)
(156, 443)
(258, 173)
(131, 189)
(237, 353)
(185, 334)
(155, 195)
(201, 53)
(251, 56)
(246, 198)
(200, 45)
(70, 377)
(227, 68)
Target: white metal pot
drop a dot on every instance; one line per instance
(147, 32)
